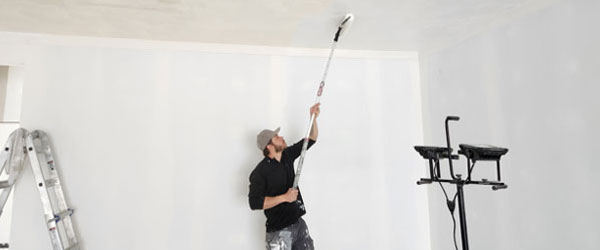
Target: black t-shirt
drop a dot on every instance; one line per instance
(272, 178)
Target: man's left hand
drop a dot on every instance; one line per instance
(315, 109)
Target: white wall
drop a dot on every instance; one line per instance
(156, 141)
(14, 93)
(531, 86)
(6, 218)
(3, 85)
(11, 83)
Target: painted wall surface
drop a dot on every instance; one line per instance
(5, 219)
(11, 86)
(14, 94)
(531, 86)
(3, 87)
(156, 142)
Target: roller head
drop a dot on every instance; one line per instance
(344, 26)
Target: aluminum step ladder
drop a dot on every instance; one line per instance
(36, 146)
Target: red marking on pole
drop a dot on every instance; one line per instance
(321, 88)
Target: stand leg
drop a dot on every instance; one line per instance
(431, 169)
(463, 216)
(498, 170)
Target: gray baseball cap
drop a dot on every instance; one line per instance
(264, 137)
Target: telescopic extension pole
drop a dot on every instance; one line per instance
(344, 25)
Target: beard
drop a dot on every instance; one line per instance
(279, 148)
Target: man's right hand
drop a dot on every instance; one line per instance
(291, 195)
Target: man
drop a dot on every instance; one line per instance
(271, 190)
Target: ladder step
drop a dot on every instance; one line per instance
(4, 184)
(58, 217)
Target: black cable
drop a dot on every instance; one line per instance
(454, 224)
(471, 170)
(451, 205)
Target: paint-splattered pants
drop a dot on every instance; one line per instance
(293, 237)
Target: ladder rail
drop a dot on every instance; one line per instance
(36, 146)
(52, 175)
(5, 186)
(11, 160)
(55, 239)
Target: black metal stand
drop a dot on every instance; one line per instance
(462, 216)
(473, 154)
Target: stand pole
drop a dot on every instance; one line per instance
(462, 215)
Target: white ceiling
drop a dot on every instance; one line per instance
(394, 25)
